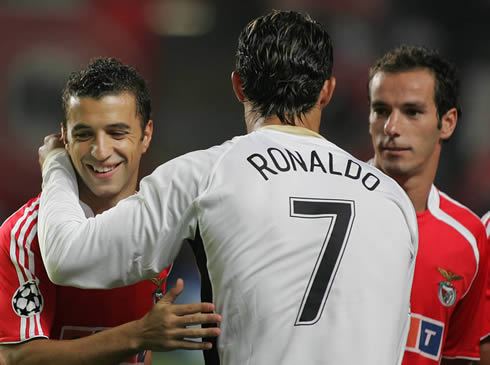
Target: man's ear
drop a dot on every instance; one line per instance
(64, 137)
(147, 134)
(327, 91)
(448, 123)
(236, 81)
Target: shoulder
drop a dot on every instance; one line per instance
(193, 166)
(461, 219)
(460, 213)
(27, 214)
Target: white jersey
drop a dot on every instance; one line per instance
(307, 252)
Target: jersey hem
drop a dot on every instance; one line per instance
(462, 357)
(8, 341)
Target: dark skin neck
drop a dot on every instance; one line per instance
(100, 204)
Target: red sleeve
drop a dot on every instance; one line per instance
(27, 297)
(465, 327)
(164, 274)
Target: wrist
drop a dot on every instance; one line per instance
(135, 335)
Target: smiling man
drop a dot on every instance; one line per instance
(413, 97)
(105, 140)
(107, 129)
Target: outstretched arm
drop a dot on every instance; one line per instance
(134, 240)
(163, 328)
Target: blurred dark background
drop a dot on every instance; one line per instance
(185, 49)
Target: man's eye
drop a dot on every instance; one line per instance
(413, 112)
(381, 111)
(82, 135)
(117, 134)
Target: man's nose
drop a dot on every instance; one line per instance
(101, 148)
(392, 124)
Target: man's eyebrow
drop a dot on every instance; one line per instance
(378, 103)
(118, 125)
(121, 125)
(415, 105)
(79, 126)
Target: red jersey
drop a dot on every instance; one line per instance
(31, 306)
(450, 276)
(486, 328)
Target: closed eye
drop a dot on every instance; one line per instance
(82, 135)
(118, 134)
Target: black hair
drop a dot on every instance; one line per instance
(407, 58)
(108, 76)
(283, 60)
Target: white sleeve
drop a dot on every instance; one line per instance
(133, 241)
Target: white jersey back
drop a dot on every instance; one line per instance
(307, 252)
(310, 254)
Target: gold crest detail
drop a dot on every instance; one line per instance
(449, 275)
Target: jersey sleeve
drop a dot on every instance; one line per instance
(135, 240)
(27, 297)
(465, 328)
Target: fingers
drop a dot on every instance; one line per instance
(187, 345)
(53, 138)
(52, 135)
(171, 295)
(182, 339)
(174, 316)
(197, 332)
(196, 319)
(185, 309)
(51, 142)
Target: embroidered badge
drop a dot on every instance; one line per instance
(158, 293)
(447, 292)
(27, 300)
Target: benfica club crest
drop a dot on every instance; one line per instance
(447, 292)
(158, 293)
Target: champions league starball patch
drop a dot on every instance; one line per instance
(27, 300)
(447, 292)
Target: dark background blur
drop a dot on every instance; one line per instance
(185, 49)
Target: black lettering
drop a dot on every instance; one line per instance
(316, 162)
(287, 167)
(348, 170)
(298, 159)
(330, 165)
(373, 185)
(260, 168)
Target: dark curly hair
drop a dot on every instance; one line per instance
(408, 58)
(108, 76)
(283, 59)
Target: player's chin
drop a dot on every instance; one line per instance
(393, 168)
(106, 191)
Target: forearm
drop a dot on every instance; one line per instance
(79, 252)
(68, 241)
(111, 346)
(485, 352)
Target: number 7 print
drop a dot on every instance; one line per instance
(342, 215)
